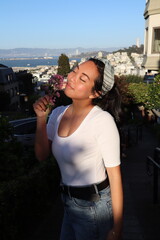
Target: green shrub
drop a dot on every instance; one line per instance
(139, 92)
(133, 79)
(27, 188)
(27, 199)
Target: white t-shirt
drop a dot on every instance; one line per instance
(83, 156)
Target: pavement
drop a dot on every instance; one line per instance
(141, 215)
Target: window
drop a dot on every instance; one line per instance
(9, 77)
(156, 40)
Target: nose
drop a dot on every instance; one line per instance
(71, 77)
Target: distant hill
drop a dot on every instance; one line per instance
(91, 54)
(129, 50)
(46, 52)
(132, 49)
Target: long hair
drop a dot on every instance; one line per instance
(111, 101)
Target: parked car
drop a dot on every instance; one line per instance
(24, 130)
(149, 78)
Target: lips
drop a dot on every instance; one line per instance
(69, 86)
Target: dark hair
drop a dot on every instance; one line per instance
(111, 101)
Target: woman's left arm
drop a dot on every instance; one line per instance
(115, 179)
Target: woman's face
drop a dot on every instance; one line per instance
(81, 81)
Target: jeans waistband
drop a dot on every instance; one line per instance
(85, 192)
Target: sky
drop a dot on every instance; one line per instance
(71, 23)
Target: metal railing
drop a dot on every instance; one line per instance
(155, 162)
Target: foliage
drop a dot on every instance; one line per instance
(6, 129)
(154, 93)
(27, 188)
(4, 100)
(133, 79)
(139, 92)
(63, 65)
(25, 200)
(146, 94)
(11, 163)
(26, 84)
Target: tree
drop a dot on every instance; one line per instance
(26, 84)
(63, 65)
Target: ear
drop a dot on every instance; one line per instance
(94, 95)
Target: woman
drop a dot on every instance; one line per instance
(85, 142)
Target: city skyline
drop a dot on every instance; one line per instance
(66, 24)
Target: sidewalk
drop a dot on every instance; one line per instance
(141, 216)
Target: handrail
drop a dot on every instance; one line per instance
(156, 168)
(153, 161)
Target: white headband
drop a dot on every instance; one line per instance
(108, 76)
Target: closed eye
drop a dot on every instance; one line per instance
(82, 80)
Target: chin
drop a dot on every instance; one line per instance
(67, 93)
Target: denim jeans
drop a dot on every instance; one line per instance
(87, 220)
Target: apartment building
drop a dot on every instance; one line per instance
(152, 36)
(9, 84)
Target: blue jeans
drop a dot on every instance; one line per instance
(87, 220)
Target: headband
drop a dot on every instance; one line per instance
(108, 76)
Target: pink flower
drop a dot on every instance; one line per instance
(55, 84)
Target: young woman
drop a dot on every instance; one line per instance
(85, 142)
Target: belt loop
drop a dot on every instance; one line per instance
(96, 189)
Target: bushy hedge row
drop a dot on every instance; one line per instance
(25, 200)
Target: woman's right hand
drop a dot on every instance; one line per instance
(40, 106)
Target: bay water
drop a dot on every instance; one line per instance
(32, 62)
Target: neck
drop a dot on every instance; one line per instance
(79, 107)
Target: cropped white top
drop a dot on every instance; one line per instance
(83, 156)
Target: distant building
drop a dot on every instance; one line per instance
(152, 36)
(100, 55)
(77, 52)
(137, 42)
(9, 84)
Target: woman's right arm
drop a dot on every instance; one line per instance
(42, 143)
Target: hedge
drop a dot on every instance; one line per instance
(24, 201)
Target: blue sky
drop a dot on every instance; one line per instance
(70, 23)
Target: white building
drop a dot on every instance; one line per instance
(100, 55)
(152, 35)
